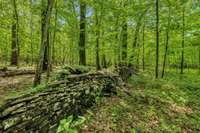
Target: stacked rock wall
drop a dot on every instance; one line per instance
(41, 112)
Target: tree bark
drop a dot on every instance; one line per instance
(124, 37)
(166, 45)
(31, 31)
(82, 53)
(44, 36)
(15, 42)
(103, 60)
(117, 49)
(98, 67)
(124, 41)
(143, 47)
(44, 11)
(199, 59)
(183, 41)
(157, 39)
(54, 33)
(48, 56)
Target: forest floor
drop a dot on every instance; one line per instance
(155, 105)
(14, 84)
(151, 105)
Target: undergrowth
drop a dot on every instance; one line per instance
(165, 105)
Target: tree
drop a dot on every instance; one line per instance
(82, 54)
(54, 32)
(143, 47)
(103, 58)
(15, 42)
(167, 43)
(157, 38)
(124, 40)
(199, 59)
(46, 50)
(124, 35)
(183, 40)
(102, 33)
(98, 67)
(44, 38)
(31, 30)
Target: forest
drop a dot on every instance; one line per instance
(99, 66)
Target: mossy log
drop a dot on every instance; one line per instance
(41, 112)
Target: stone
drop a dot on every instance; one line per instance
(42, 111)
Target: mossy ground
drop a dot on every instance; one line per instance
(155, 105)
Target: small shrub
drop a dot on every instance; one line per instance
(39, 88)
(70, 125)
(61, 74)
(81, 69)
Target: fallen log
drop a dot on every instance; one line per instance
(42, 111)
(10, 73)
(3, 69)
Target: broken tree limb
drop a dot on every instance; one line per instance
(42, 111)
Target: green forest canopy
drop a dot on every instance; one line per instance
(104, 24)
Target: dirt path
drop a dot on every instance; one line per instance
(14, 84)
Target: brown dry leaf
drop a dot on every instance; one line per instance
(181, 109)
(154, 120)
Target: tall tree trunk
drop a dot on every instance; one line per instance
(98, 67)
(136, 34)
(166, 45)
(183, 41)
(117, 49)
(199, 59)
(82, 54)
(143, 47)
(103, 60)
(124, 35)
(138, 53)
(48, 56)
(54, 33)
(135, 40)
(157, 39)
(44, 11)
(124, 41)
(44, 36)
(137, 31)
(15, 42)
(31, 30)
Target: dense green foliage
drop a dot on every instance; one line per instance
(64, 31)
(70, 124)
